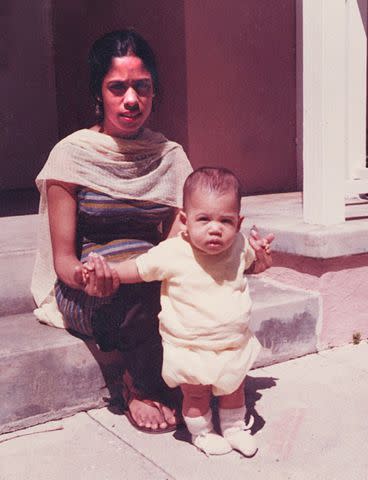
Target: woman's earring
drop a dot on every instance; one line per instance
(99, 111)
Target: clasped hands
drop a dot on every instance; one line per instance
(98, 279)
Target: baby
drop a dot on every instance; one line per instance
(205, 307)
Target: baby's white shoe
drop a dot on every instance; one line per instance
(211, 443)
(242, 441)
(236, 431)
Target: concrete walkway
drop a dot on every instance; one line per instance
(311, 423)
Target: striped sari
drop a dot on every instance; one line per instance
(116, 229)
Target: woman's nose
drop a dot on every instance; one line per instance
(130, 98)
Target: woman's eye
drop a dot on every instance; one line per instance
(118, 88)
(143, 87)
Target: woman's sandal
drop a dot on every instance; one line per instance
(142, 428)
(130, 393)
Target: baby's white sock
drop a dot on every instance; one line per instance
(233, 428)
(203, 436)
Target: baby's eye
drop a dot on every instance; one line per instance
(228, 221)
(202, 219)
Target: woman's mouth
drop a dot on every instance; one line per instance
(129, 117)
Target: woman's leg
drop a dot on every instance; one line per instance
(130, 325)
(232, 414)
(77, 307)
(198, 418)
(127, 321)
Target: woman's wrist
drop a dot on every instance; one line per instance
(66, 268)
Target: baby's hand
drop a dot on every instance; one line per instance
(262, 249)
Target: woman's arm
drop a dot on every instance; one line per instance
(62, 206)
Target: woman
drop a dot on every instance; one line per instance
(112, 189)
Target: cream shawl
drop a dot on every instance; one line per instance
(148, 168)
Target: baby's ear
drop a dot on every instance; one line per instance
(183, 218)
(240, 221)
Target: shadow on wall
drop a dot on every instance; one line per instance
(317, 267)
(19, 202)
(274, 334)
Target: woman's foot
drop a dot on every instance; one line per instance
(151, 416)
(158, 415)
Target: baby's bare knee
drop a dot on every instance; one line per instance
(196, 391)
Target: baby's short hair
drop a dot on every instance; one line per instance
(213, 179)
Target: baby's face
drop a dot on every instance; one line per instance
(211, 221)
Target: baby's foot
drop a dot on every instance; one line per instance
(243, 442)
(211, 443)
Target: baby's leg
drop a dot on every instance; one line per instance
(198, 418)
(233, 426)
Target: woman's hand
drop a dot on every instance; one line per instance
(96, 277)
(262, 249)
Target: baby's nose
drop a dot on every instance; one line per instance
(215, 228)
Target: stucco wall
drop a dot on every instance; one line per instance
(28, 108)
(78, 23)
(227, 81)
(241, 74)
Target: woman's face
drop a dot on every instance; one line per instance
(127, 92)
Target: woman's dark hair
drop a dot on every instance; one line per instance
(119, 43)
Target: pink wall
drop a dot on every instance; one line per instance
(343, 285)
(28, 108)
(161, 22)
(241, 78)
(227, 80)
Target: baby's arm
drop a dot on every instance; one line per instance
(126, 271)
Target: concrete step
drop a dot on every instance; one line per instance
(47, 373)
(18, 241)
(286, 320)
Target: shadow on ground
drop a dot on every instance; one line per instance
(253, 388)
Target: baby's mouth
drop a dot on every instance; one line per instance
(214, 242)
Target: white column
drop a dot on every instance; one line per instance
(324, 112)
(356, 91)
